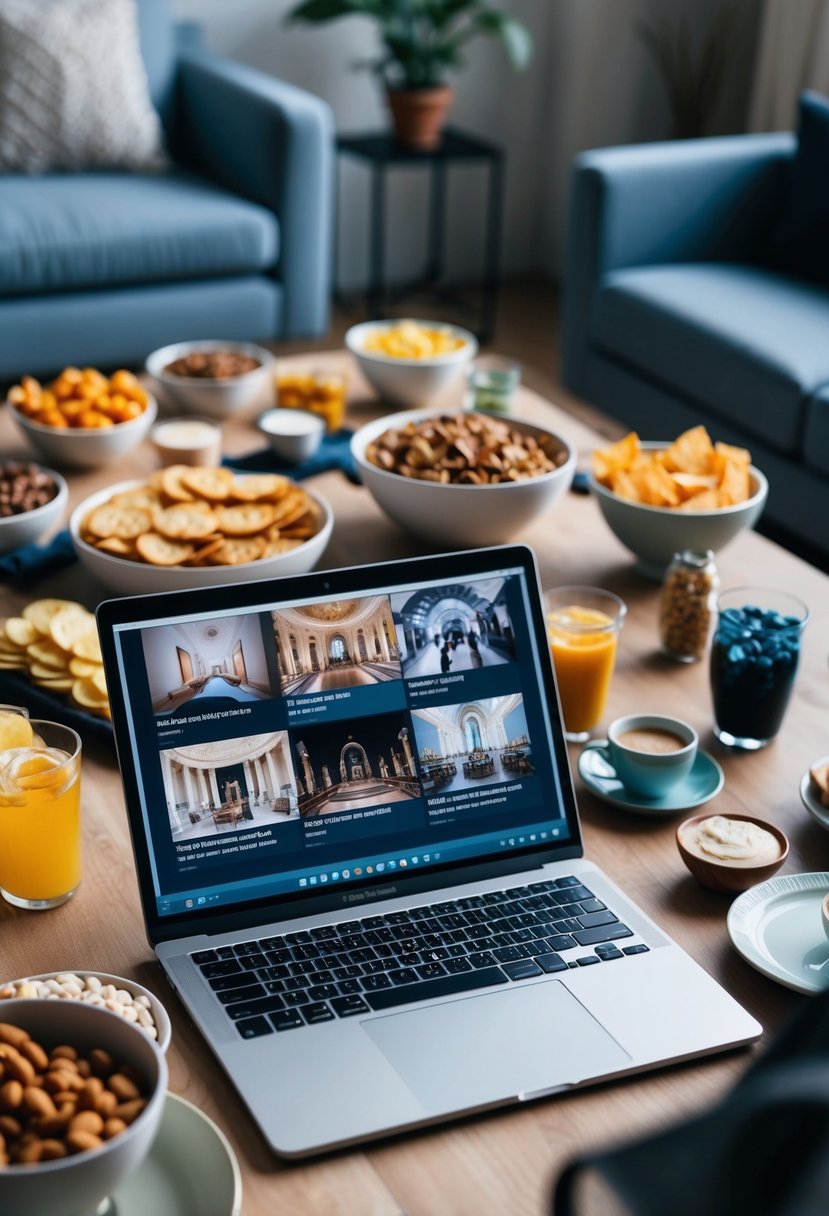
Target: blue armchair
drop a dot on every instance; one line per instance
(671, 317)
(233, 240)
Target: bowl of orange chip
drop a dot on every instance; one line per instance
(413, 363)
(192, 526)
(661, 497)
(83, 419)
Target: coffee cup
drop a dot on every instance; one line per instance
(651, 752)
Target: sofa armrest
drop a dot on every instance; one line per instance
(274, 144)
(647, 204)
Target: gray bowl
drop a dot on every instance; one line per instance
(655, 534)
(78, 1184)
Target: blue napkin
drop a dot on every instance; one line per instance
(35, 561)
(333, 453)
(15, 689)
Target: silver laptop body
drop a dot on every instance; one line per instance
(310, 783)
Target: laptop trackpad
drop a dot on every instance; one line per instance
(504, 1044)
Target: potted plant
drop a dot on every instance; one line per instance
(422, 41)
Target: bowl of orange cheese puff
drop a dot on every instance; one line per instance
(661, 497)
(83, 419)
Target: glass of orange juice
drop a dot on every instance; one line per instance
(583, 626)
(40, 823)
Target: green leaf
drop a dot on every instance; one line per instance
(516, 38)
(325, 10)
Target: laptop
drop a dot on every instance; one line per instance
(359, 855)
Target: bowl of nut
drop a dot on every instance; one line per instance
(83, 1095)
(213, 377)
(131, 1000)
(662, 497)
(462, 479)
(413, 363)
(83, 418)
(32, 500)
(192, 526)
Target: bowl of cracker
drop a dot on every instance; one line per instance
(662, 497)
(192, 526)
(464, 479)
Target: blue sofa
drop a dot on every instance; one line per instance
(674, 316)
(233, 240)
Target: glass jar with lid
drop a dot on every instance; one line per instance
(688, 605)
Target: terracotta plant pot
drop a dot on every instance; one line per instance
(418, 115)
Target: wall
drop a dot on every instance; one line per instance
(591, 83)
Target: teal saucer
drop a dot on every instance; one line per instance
(703, 783)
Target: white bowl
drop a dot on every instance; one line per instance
(294, 435)
(17, 530)
(79, 1183)
(460, 515)
(413, 382)
(159, 1013)
(86, 447)
(214, 398)
(126, 577)
(655, 534)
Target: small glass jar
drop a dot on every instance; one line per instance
(688, 605)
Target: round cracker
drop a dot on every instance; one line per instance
(237, 551)
(40, 612)
(89, 647)
(214, 484)
(20, 631)
(170, 481)
(147, 498)
(55, 683)
(123, 522)
(185, 521)
(244, 520)
(86, 694)
(159, 551)
(48, 653)
(115, 546)
(253, 487)
(83, 667)
(68, 625)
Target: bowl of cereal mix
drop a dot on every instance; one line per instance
(83, 419)
(213, 377)
(463, 479)
(32, 500)
(413, 363)
(192, 526)
(83, 1096)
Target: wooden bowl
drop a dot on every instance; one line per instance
(728, 875)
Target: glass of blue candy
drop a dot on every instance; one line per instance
(754, 657)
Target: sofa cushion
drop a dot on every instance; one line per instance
(102, 229)
(749, 345)
(816, 431)
(800, 243)
(73, 88)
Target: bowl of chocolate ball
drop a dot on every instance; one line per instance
(32, 500)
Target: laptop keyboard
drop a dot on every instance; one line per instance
(375, 963)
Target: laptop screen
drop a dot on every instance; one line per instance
(315, 740)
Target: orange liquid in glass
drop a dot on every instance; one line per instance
(583, 645)
(40, 831)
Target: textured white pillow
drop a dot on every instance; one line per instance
(73, 88)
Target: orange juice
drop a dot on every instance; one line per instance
(583, 644)
(40, 830)
(320, 393)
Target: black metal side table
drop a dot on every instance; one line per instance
(381, 152)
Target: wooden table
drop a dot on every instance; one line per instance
(502, 1163)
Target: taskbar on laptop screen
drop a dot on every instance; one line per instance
(316, 742)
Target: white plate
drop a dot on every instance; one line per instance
(704, 781)
(810, 800)
(777, 927)
(190, 1169)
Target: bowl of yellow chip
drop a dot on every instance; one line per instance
(413, 363)
(661, 497)
(191, 526)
